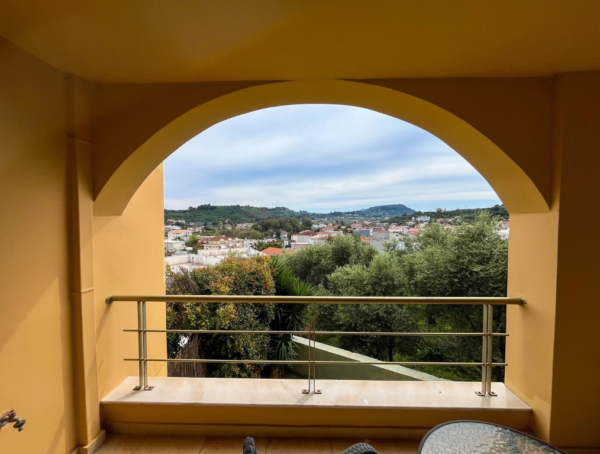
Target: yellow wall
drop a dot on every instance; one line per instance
(575, 419)
(129, 259)
(138, 125)
(61, 347)
(35, 335)
(532, 275)
(63, 141)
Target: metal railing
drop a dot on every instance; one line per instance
(487, 334)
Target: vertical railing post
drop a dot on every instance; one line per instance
(312, 352)
(487, 348)
(145, 348)
(307, 390)
(490, 349)
(140, 347)
(316, 391)
(484, 352)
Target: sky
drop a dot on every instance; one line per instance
(321, 158)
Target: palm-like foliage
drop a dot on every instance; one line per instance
(288, 317)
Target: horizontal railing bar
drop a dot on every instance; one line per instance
(314, 299)
(216, 331)
(318, 333)
(375, 333)
(336, 363)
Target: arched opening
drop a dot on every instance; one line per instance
(325, 160)
(518, 192)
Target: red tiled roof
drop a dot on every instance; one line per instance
(275, 251)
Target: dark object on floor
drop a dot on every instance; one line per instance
(360, 448)
(249, 446)
(474, 437)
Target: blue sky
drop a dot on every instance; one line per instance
(321, 158)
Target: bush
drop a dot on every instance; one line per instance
(233, 276)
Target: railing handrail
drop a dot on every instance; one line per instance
(496, 301)
(487, 334)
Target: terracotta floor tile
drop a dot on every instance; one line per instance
(407, 447)
(299, 446)
(231, 445)
(171, 445)
(120, 444)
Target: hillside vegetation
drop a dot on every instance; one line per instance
(468, 214)
(237, 213)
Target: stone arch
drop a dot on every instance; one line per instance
(512, 184)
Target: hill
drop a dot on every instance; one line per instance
(467, 214)
(237, 213)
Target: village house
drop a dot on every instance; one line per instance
(403, 229)
(244, 226)
(276, 251)
(223, 242)
(179, 235)
(412, 232)
(363, 231)
(173, 246)
(299, 246)
(378, 238)
(306, 236)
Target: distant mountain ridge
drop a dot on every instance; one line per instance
(238, 213)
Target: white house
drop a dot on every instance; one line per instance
(403, 229)
(179, 235)
(174, 245)
(306, 236)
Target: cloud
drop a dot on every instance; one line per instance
(321, 158)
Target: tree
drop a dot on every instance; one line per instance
(239, 276)
(263, 246)
(232, 276)
(192, 241)
(250, 234)
(314, 264)
(384, 277)
(288, 317)
(306, 223)
(470, 260)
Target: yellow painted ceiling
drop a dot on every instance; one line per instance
(200, 40)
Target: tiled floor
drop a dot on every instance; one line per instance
(129, 444)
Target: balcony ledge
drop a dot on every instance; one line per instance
(221, 406)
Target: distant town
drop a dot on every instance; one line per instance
(191, 244)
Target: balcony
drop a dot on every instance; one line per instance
(310, 407)
(89, 114)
